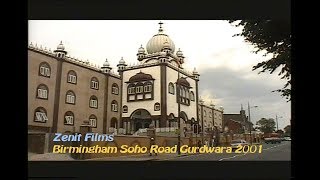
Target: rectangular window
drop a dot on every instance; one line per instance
(70, 99)
(72, 79)
(131, 90)
(69, 120)
(42, 93)
(38, 116)
(139, 89)
(41, 117)
(44, 117)
(94, 85)
(116, 91)
(147, 88)
(114, 107)
(93, 122)
(42, 71)
(47, 72)
(93, 103)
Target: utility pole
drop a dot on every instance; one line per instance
(277, 121)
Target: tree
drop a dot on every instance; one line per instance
(266, 125)
(272, 37)
(287, 130)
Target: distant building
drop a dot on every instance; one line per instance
(237, 123)
(211, 116)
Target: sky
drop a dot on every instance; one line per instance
(224, 62)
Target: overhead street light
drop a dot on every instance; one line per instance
(250, 121)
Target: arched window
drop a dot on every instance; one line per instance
(131, 88)
(192, 96)
(94, 83)
(171, 88)
(114, 122)
(72, 77)
(44, 69)
(125, 109)
(139, 88)
(115, 89)
(42, 91)
(93, 102)
(114, 106)
(40, 115)
(187, 93)
(93, 121)
(70, 97)
(181, 92)
(69, 118)
(204, 113)
(147, 87)
(157, 106)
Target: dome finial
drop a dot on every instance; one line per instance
(160, 28)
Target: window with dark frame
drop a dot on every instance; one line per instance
(94, 83)
(40, 115)
(171, 88)
(115, 89)
(93, 121)
(157, 106)
(114, 106)
(44, 69)
(93, 102)
(72, 77)
(42, 91)
(70, 97)
(125, 109)
(69, 118)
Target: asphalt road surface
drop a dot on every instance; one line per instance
(270, 152)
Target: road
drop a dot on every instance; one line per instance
(270, 152)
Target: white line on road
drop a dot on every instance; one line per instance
(232, 157)
(249, 153)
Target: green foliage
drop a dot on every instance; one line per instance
(266, 125)
(271, 37)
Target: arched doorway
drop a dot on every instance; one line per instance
(138, 125)
(141, 118)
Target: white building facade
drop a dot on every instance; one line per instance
(157, 89)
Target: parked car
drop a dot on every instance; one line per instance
(287, 138)
(272, 140)
(237, 142)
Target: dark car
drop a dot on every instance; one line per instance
(272, 140)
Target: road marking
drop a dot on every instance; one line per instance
(180, 157)
(221, 158)
(274, 146)
(232, 157)
(249, 153)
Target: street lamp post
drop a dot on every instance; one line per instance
(250, 122)
(202, 126)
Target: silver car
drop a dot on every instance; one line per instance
(235, 143)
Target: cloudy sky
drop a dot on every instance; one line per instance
(223, 61)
